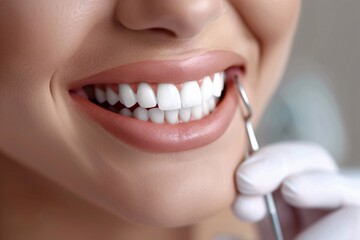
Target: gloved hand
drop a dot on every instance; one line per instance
(314, 200)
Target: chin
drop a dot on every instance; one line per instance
(178, 200)
(175, 189)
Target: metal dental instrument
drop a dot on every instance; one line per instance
(254, 147)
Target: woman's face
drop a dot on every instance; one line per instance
(167, 174)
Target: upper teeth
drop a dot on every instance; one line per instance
(167, 96)
(126, 95)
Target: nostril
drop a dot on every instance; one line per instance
(179, 18)
(163, 31)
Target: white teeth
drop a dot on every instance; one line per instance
(145, 96)
(206, 88)
(111, 96)
(141, 114)
(100, 95)
(196, 112)
(185, 114)
(167, 103)
(126, 112)
(212, 104)
(168, 97)
(218, 84)
(190, 94)
(205, 108)
(127, 95)
(172, 116)
(156, 115)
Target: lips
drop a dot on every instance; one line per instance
(177, 105)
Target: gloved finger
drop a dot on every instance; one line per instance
(249, 208)
(320, 190)
(342, 224)
(267, 168)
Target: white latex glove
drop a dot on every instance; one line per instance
(307, 178)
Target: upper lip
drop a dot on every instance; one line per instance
(166, 71)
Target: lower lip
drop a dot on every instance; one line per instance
(154, 137)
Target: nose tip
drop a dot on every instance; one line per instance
(184, 18)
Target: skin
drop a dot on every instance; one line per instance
(64, 177)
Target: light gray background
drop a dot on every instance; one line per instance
(327, 48)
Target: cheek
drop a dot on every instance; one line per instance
(269, 20)
(42, 34)
(36, 37)
(272, 23)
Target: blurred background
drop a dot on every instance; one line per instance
(318, 99)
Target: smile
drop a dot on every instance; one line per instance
(185, 103)
(160, 103)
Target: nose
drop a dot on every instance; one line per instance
(184, 18)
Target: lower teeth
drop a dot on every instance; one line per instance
(156, 115)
